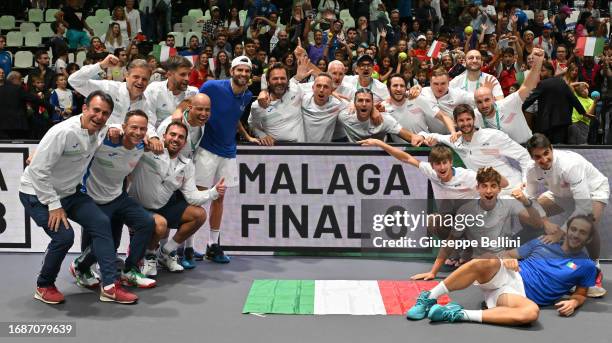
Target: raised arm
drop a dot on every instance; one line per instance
(395, 152)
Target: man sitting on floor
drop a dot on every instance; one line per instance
(513, 289)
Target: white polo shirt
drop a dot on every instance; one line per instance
(411, 115)
(282, 119)
(445, 103)
(163, 101)
(460, 81)
(508, 118)
(320, 121)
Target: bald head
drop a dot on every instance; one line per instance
(483, 97)
(200, 110)
(336, 70)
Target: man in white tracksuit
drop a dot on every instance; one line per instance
(50, 194)
(573, 187)
(103, 182)
(128, 95)
(174, 196)
(194, 113)
(165, 96)
(479, 148)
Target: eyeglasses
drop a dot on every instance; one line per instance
(365, 65)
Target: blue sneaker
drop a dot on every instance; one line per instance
(215, 254)
(451, 313)
(422, 306)
(187, 264)
(198, 256)
(187, 260)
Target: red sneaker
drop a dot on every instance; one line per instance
(49, 295)
(117, 294)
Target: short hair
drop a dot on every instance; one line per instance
(103, 96)
(536, 141)
(13, 75)
(508, 51)
(175, 62)
(586, 217)
(135, 113)
(138, 63)
(463, 108)
(275, 66)
(170, 36)
(351, 29)
(363, 91)
(57, 76)
(118, 51)
(176, 123)
(39, 53)
(36, 78)
(3, 37)
(394, 76)
(488, 174)
(548, 66)
(439, 72)
(440, 153)
(325, 75)
(249, 41)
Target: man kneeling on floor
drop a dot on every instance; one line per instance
(513, 289)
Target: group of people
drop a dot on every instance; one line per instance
(178, 134)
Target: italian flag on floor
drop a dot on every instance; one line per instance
(590, 46)
(356, 297)
(162, 52)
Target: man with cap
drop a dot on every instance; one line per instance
(363, 79)
(559, 22)
(216, 156)
(545, 40)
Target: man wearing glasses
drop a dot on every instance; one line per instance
(363, 79)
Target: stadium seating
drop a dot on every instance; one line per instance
(14, 38)
(7, 22)
(45, 30)
(80, 58)
(50, 14)
(196, 13)
(36, 15)
(33, 39)
(27, 27)
(24, 59)
(103, 12)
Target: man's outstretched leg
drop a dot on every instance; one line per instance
(499, 286)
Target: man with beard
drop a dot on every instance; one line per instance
(193, 113)
(51, 195)
(410, 114)
(165, 96)
(315, 51)
(281, 120)
(480, 148)
(507, 114)
(363, 79)
(282, 47)
(573, 187)
(443, 99)
(473, 77)
(216, 157)
(103, 182)
(514, 289)
(359, 126)
(128, 95)
(174, 196)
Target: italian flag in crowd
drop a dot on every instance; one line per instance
(355, 297)
(162, 52)
(434, 50)
(590, 46)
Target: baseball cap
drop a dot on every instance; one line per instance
(548, 26)
(421, 37)
(365, 58)
(565, 9)
(241, 60)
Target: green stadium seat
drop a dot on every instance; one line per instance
(7, 22)
(27, 27)
(14, 38)
(24, 59)
(36, 15)
(50, 14)
(33, 39)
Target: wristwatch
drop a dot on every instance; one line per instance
(529, 204)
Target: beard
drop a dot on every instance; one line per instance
(279, 89)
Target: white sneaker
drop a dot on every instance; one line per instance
(170, 261)
(149, 265)
(135, 278)
(87, 279)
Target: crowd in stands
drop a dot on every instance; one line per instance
(413, 38)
